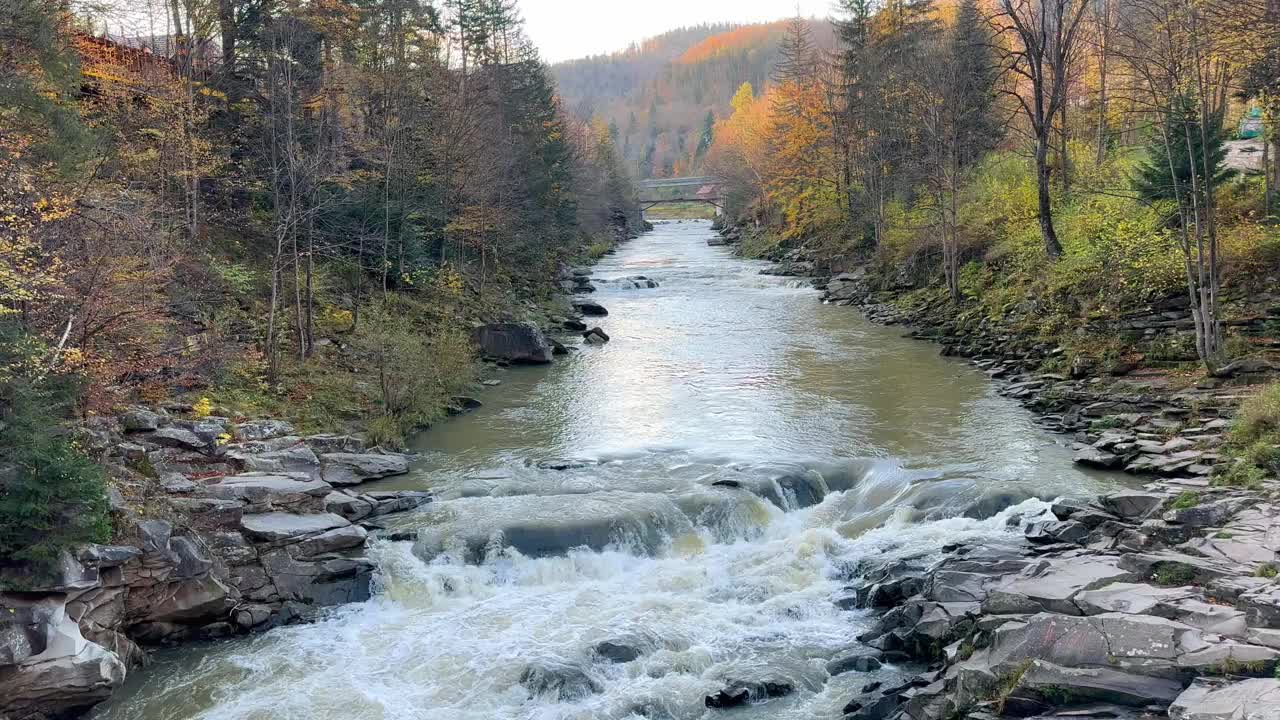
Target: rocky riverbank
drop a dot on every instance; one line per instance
(1141, 603)
(222, 527)
(1152, 603)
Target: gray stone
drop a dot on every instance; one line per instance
(1057, 531)
(858, 661)
(1052, 585)
(155, 535)
(271, 490)
(348, 506)
(342, 538)
(589, 308)
(596, 336)
(323, 444)
(1046, 685)
(297, 459)
(1132, 598)
(1132, 504)
(1093, 457)
(353, 469)
(515, 342)
(63, 674)
(180, 438)
(192, 560)
(277, 526)
(263, 430)
(108, 556)
(141, 420)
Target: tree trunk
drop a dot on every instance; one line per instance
(230, 34)
(1103, 38)
(1052, 247)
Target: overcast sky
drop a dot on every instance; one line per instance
(568, 29)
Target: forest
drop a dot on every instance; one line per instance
(269, 206)
(981, 153)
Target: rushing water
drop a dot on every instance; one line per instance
(696, 490)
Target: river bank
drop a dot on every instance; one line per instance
(223, 525)
(707, 515)
(1140, 603)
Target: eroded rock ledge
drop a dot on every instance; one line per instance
(223, 528)
(1139, 603)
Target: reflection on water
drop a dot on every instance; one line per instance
(694, 490)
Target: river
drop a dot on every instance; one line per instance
(696, 492)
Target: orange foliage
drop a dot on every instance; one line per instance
(742, 39)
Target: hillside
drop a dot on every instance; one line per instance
(661, 97)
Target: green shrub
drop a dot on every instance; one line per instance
(52, 497)
(595, 251)
(415, 369)
(1172, 574)
(1186, 500)
(1258, 418)
(1267, 570)
(1240, 474)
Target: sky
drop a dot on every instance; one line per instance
(568, 29)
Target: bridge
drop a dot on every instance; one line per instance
(705, 189)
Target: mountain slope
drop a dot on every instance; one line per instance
(661, 97)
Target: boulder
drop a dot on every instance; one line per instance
(269, 490)
(47, 667)
(353, 468)
(616, 652)
(141, 420)
(595, 336)
(565, 682)
(1057, 531)
(856, 661)
(738, 693)
(589, 308)
(514, 342)
(179, 438)
(296, 459)
(351, 507)
(1132, 504)
(329, 443)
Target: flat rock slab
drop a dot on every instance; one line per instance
(283, 526)
(260, 487)
(355, 468)
(1052, 585)
(1254, 699)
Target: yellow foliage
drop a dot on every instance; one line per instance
(202, 408)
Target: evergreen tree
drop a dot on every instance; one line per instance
(52, 498)
(1175, 148)
(708, 135)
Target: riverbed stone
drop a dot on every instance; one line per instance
(589, 308)
(1133, 504)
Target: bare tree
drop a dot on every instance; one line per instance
(1045, 45)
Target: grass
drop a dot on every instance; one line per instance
(1267, 570)
(595, 251)
(1186, 500)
